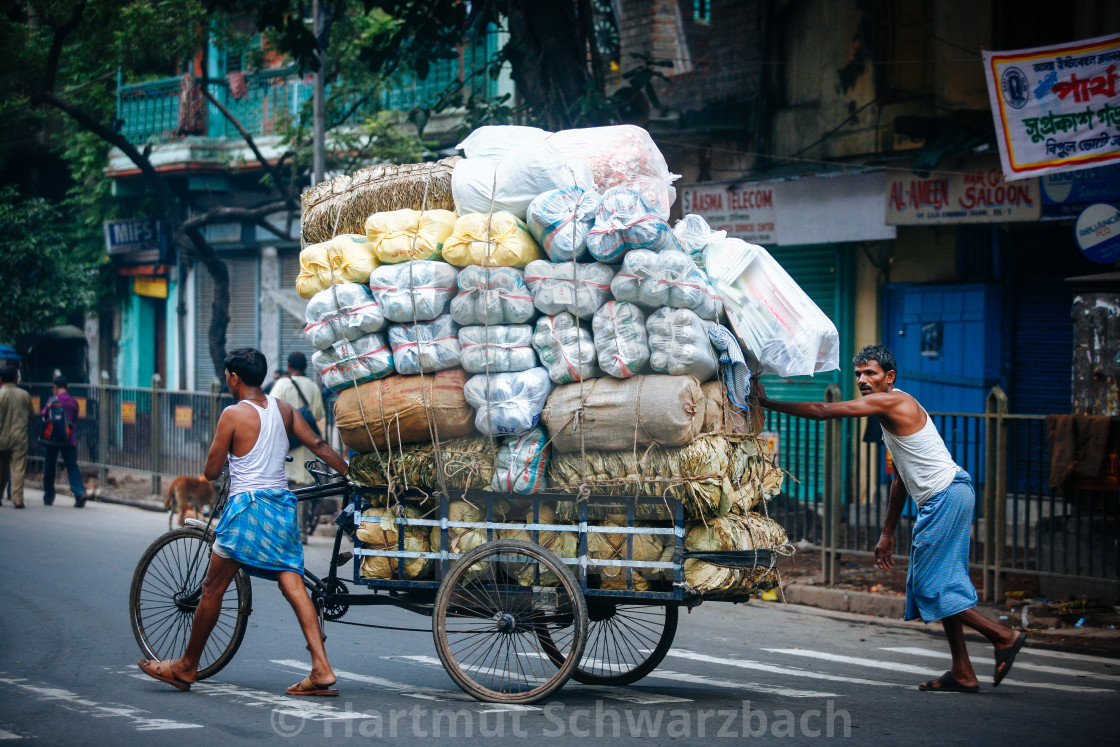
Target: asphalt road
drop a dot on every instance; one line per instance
(68, 673)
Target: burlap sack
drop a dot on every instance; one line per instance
(720, 416)
(664, 410)
(401, 404)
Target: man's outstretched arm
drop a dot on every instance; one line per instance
(870, 404)
(219, 448)
(313, 441)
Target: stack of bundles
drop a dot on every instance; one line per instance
(668, 278)
(732, 532)
(562, 544)
(613, 546)
(461, 539)
(566, 348)
(401, 235)
(625, 222)
(425, 347)
(414, 291)
(620, 339)
(678, 344)
(344, 259)
(497, 348)
(511, 181)
(522, 463)
(560, 221)
(346, 364)
(575, 287)
(492, 295)
(490, 240)
(342, 204)
(378, 531)
(404, 410)
(694, 235)
(467, 463)
(508, 404)
(345, 311)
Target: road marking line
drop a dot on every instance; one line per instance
(790, 672)
(1019, 663)
(100, 710)
(910, 669)
(408, 691)
(9, 735)
(1103, 660)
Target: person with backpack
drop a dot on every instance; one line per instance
(59, 437)
(303, 395)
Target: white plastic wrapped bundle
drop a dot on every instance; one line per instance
(694, 234)
(678, 344)
(625, 222)
(565, 348)
(622, 155)
(668, 278)
(497, 348)
(348, 363)
(509, 183)
(521, 463)
(495, 295)
(507, 404)
(620, 339)
(772, 316)
(417, 290)
(578, 288)
(425, 346)
(560, 221)
(495, 141)
(345, 311)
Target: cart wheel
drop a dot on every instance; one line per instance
(165, 592)
(625, 642)
(486, 625)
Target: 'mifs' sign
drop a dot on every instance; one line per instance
(136, 239)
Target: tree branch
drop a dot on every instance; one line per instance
(61, 31)
(232, 215)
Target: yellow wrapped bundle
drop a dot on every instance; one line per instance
(381, 534)
(401, 235)
(611, 546)
(732, 532)
(347, 258)
(562, 544)
(507, 244)
(462, 539)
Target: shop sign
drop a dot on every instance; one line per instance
(1056, 108)
(184, 416)
(1098, 233)
(975, 194)
(745, 212)
(150, 287)
(141, 240)
(1068, 193)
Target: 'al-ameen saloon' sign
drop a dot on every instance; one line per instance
(1056, 108)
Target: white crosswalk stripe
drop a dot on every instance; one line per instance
(774, 669)
(911, 669)
(1019, 663)
(1069, 656)
(8, 735)
(140, 719)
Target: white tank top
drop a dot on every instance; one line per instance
(921, 460)
(263, 467)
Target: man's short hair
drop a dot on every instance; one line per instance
(61, 382)
(878, 353)
(9, 374)
(249, 365)
(297, 361)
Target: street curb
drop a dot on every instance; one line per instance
(846, 600)
(145, 505)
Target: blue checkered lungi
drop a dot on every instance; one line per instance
(259, 529)
(937, 582)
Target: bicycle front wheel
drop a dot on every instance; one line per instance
(165, 592)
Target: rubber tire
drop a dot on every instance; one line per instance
(241, 584)
(657, 655)
(443, 601)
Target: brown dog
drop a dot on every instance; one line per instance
(189, 494)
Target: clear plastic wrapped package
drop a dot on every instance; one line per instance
(417, 290)
(401, 235)
(694, 234)
(345, 311)
(495, 141)
(560, 221)
(625, 222)
(425, 346)
(497, 240)
(347, 258)
(347, 363)
(669, 278)
(620, 339)
(497, 348)
(578, 288)
(565, 348)
(512, 181)
(522, 463)
(679, 346)
(773, 317)
(492, 295)
(507, 404)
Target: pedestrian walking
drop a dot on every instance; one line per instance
(257, 528)
(301, 393)
(16, 412)
(938, 586)
(59, 437)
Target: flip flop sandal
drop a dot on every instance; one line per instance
(1007, 656)
(148, 667)
(307, 687)
(946, 683)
